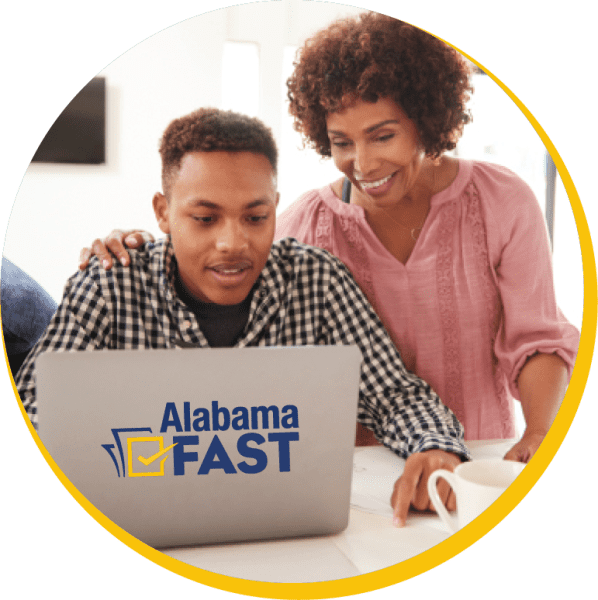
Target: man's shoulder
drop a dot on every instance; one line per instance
(298, 258)
(289, 248)
(146, 261)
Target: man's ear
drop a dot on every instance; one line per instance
(161, 208)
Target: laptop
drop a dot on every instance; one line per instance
(202, 446)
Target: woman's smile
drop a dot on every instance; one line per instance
(381, 186)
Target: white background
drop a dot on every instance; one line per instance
(540, 50)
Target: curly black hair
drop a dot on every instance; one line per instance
(213, 130)
(374, 56)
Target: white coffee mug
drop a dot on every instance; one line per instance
(476, 484)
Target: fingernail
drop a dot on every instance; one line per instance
(105, 263)
(123, 261)
(131, 241)
(398, 522)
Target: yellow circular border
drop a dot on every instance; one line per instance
(460, 540)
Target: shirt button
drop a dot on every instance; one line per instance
(186, 324)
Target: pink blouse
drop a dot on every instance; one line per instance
(474, 300)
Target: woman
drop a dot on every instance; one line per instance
(452, 254)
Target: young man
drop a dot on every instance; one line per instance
(218, 280)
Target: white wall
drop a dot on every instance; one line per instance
(61, 208)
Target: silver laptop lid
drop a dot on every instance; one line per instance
(185, 447)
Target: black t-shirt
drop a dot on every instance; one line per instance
(221, 324)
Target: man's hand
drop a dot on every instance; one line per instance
(523, 450)
(411, 489)
(116, 243)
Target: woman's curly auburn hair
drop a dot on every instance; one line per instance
(374, 56)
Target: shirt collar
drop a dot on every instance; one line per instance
(269, 285)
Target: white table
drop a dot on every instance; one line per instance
(369, 543)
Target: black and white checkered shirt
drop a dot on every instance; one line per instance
(304, 296)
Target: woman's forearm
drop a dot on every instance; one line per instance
(542, 385)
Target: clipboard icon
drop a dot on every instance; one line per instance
(160, 454)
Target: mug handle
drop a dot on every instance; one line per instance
(449, 521)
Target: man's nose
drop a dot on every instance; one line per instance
(232, 237)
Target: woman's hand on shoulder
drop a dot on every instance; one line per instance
(114, 246)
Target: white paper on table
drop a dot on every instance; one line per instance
(375, 471)
(481, 450)
(372, 543)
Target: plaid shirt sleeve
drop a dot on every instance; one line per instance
(81, 322)
(402, 410)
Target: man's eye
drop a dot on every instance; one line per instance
(204, 220)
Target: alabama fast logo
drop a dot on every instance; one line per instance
(138, 452)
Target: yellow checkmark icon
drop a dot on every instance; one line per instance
(151, 459)
(132, 462)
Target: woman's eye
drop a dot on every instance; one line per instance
(340, 143)
(385, 138)
(257, 218)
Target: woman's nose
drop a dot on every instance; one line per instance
(364, 161)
